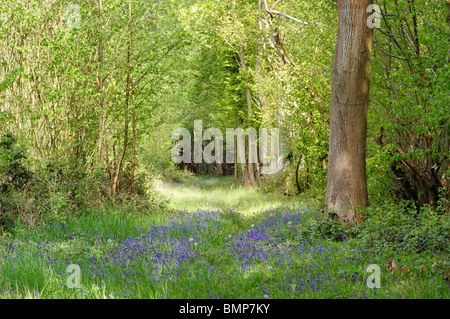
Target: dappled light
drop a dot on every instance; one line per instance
(238, 149)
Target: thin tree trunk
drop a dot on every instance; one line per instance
(115, 184)
(100, 91)
(262, 97)
(249, 166)
(133, 152)
(347, 184)
(447, 2)
(236, 174)
(446, 138)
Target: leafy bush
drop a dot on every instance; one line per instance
(388, 229)
(51, 188)
(13, 177)
(403, 227)
(12, 171)
(325, 226)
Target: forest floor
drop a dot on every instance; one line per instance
(220, 241)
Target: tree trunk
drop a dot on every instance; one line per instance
(115, 182)
(100, 91)
(249, 168)
(347, 184)
(262, 98)
(447, 2)
(133, 150)
(236, 174)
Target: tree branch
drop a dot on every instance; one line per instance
(157, 62)
(289, 17)
(272, 12)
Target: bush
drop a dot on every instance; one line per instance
(281, 182)
(389, 228)
(13, 173)
(14, 177)
(326, 226)
(403, 227)
(51, 188)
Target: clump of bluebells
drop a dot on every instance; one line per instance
(199, 255)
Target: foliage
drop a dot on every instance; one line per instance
(204, 253)
(12, 170)
(389, 229)
(73, 127)
(403, 228)
(86, 117)
(409, 118)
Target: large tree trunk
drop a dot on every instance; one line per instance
(347, 185)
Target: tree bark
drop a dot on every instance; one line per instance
(100, 91)
(447, 2)
(133, 151)
(236, 174)
(347, 183)
(249, 171)
(116, 180)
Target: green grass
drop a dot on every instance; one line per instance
(126, 254)
(207, 192)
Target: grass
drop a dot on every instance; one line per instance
(194, 193)
(224, 242)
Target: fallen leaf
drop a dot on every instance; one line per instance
(403, 270)
(434, 266)
(391, 265)
(422, 269)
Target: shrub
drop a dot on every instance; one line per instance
(12, 171)
(326, 226)
(403, 227)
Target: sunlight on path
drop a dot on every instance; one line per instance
(194, 193)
